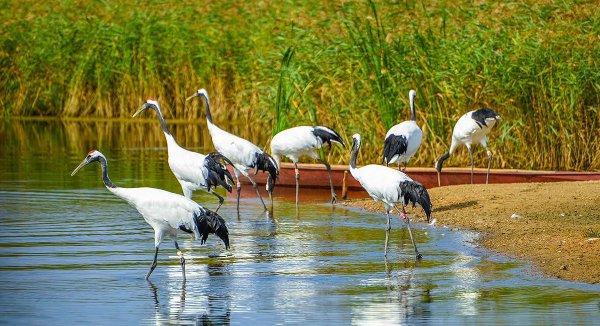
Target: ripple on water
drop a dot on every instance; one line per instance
(70, 251)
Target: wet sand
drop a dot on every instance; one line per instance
(556, 226)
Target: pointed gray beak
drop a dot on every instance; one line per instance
(139, 111)
(82, 164)
(191, 97)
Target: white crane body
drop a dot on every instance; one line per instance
(167, 213)
(404, 139)
(296, 142)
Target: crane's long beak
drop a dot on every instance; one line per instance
(82, 164)
(191, 97)
(139, 111)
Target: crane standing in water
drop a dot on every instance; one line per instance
(241, 152)
(193, 170)
(390, 187)
(166, 212)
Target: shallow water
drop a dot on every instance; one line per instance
(71, 252)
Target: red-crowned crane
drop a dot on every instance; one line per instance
(241, 152)
(193, 170)
(303, 140)
(403, 140)
(390, 187)
(471, 128)
(166, 212)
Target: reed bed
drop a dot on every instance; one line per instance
(347, 65)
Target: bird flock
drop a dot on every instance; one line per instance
(169, 213)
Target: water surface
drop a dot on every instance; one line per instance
(71, 252)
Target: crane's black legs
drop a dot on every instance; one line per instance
(270, 190)
(153, 266)
(257, 192)
(403, 213)
(181, 259)
(297, 173)
(221, 200)
(471, 156)
(328, 167)
(487, 177)
(387, 233)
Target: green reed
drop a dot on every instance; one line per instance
(348, 66)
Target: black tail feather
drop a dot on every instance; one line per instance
(394, 145)
(217, 172)
(210, 222)
(264, 162)
(327, 135)
(414, 193)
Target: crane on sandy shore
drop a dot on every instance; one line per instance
(166, 212)
(193, 170)
(390, 187)
(471, 128)
(303, 140)
(404, 139)
(241, 152)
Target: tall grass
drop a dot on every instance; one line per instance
(348, 66)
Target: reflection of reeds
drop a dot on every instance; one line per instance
(353, 63)
(77, 137)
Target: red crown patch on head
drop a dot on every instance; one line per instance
(90, 152)
(150, 99)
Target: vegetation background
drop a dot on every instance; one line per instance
(348, 65)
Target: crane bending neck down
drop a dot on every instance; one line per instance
(167, 213)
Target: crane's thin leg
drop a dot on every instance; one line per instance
(328, 167)
(181, 259)
(439, 180)
(221, 200)
(471, 155)
(257, 191)
(236, 172)
(487, 177)
(404, 216)
(297, 173)
(405, 164)
(270, 190)
(153, 266)
(387, 233)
